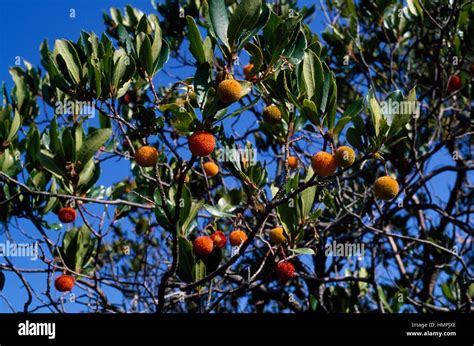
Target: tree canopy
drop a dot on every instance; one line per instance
(281, 169)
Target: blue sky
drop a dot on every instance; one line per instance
(24, 25)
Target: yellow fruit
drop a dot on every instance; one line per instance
(211, 169)
(324, 164)
(292, 162)
(237, 237)
(386, 188)
(229, 91)
(146, 156)
(277, 237)
(272, 114)
(345, 156)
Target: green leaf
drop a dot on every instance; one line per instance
(86, 173)
(375, 112)
(296, 49)
(307, 196)
(162, 58)
(145, 55)
(195, 41)
(448, 293)
(262, 21)
(193, 211)
(52, 201)
(310, 111)
(303, 251)
(257, 57)
(66, 50)
(124, 67)
(181, 118)
(199, 270)
(223, 116)
(217, 213)
(383, 299)
(312, 76)
(218, 20)
(244, 18)
(353, 137)
(313, 302)
(355, 108)
(157, 45)
(341, 124)
(186, 259)
(202, 82)
(15, 126)
(91, 145)
(49, 163)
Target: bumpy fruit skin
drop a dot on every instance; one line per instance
(201, 143)
(272, 114)
(292, 162)
(277, 237)
(146, 156)
(454, 84)
(345, 156)
(203, 245)
(67, 215)
(219, 239)
(285, 271)
(324, 164)
(211, 169)
(237, 237)
(64, 283)
(386, 188)
(229, 91)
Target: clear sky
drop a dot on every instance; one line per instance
(24, 25)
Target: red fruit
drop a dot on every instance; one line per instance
(454, 84)
(285, 271)
(127, 98)
(203, 245)
(67, 215)
(219, 239)
(64, 283)
(201, 143)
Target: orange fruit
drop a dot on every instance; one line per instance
(64, 283)
(203, 245)
(292, 162)
(146, 156)
(345, 156)
(386, 188)
(237, 237)
(277, 236)
(219, 239)
(67, 215)
(211, 169)
(201, 143)
(272, 114)
(229, 91)
(324, 164)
